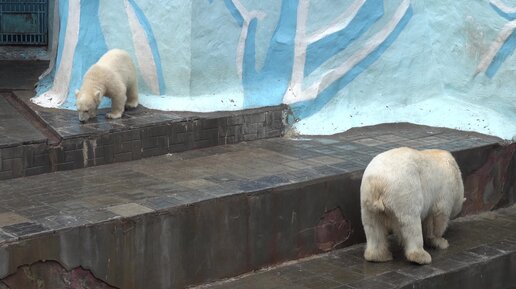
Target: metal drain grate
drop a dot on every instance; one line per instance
(23, 22)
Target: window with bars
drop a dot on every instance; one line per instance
(23, 22)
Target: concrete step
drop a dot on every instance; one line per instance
(482, 254)
(69, 144)
(203, 215)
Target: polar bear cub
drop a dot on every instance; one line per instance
(114, 76)
(413, 194)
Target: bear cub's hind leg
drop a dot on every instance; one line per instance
(117, 106)
(132, 96)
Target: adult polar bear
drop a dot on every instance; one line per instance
(414, 194)
(114, 76)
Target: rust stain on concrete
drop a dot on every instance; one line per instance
(484, 188)
(333, 229)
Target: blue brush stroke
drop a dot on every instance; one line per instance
(307, 108)
(507, 49)
(234, 12)
(267, 87)
(508, 16)
(46, 83)
(91, 45)
(152, 42)
(63, 22)
(322, 50)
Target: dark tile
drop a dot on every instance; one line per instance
(318, 266)
(317, 282)
(250, 186)
(221, 178)
(371, 269)
(326, 141)
(347, 166)
(419, 271)
(304, 174)
(190, 197)
(24, 229)
(342, 275)
(38, 212)
(328, 170)
(344, 259)
(356, 252)
(395, 278)
(293, 273)
(486, 251)
(371, 283)
(273, 180)
(448, 265)
(96, 216)
(4, 237)
(369, 142)
(161, 202)
(504, 245)
(62, 221)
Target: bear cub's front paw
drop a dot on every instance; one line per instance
(113, 115)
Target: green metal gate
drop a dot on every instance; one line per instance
(23, 22)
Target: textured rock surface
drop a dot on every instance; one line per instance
(339, 63)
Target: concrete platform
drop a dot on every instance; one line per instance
(208, 214)
(482, 254)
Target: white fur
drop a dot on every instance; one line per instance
(114, 76)
(412, 193)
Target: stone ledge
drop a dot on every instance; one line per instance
(140, 134)
(260, 203)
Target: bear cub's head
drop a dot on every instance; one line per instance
(87, 103)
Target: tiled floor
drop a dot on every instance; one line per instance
(49, 202)
(474, 240)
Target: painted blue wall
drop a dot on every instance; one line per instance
(337, 63)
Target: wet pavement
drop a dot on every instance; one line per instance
(67, 125)
(15, 129)
(230, 209)
(50, 202)
(482, 254)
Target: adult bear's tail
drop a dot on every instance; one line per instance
(371, 193)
